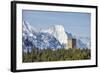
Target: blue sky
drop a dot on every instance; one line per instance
(74, 22)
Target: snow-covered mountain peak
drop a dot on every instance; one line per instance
(28, 27)
(59, 28)
(59, 33)
(53, 37)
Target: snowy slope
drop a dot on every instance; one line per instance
(33, 39)
(59, 33)
(54, 37)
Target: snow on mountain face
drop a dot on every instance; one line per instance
(59, 33)
(45, 41)
(28, 29)
(27, 37)
(40, 40)
(54, 37)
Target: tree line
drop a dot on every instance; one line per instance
(44, 55)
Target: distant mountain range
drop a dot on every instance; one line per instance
(53, 37)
